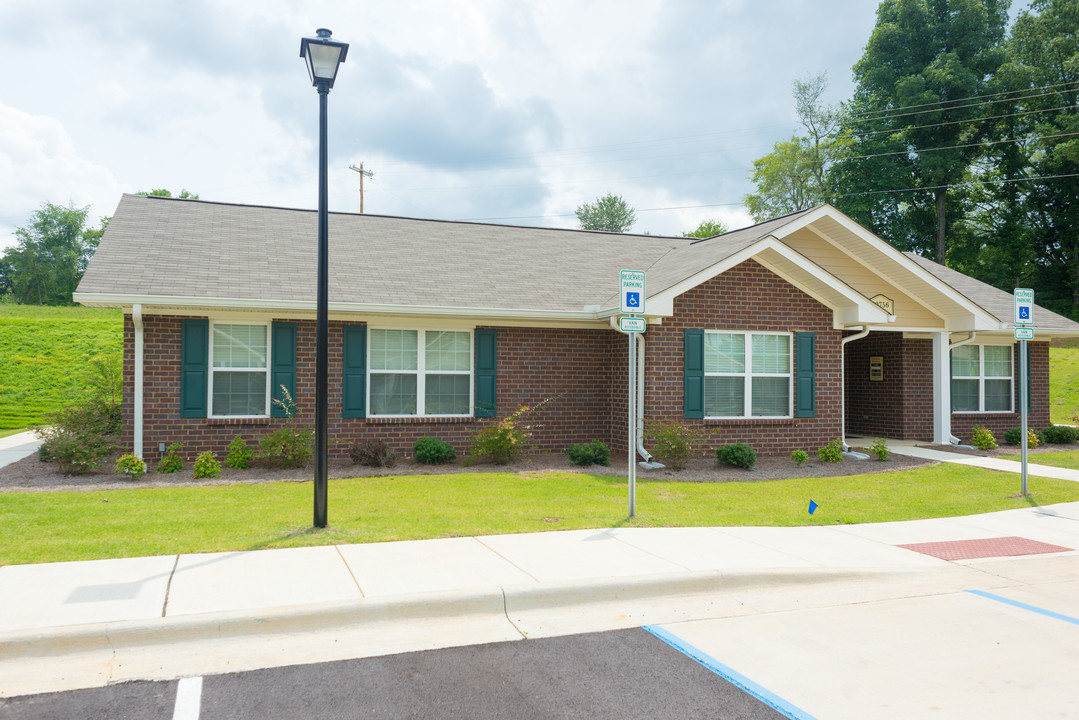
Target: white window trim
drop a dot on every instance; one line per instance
(421, 372)
(212, 369)
(982, 377)
(748, 375)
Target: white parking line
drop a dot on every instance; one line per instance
(188, 699)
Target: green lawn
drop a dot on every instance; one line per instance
(43, 354)
(1063, 384)
(1064, 459)
(55, 526)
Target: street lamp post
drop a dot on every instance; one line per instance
(323, 57)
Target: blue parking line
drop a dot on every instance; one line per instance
(1024, 606)
(729, 674)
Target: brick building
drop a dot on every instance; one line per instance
(785, 334)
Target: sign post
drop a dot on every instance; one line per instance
(1024, 330)
(631, 300)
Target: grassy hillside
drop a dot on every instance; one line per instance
(1064, 383)
(43, 353)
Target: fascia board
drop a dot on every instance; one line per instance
(881, 246)
(119, 300)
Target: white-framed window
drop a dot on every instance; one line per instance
(747, 374)
(982, 379)
(419, 373)
(239, 370)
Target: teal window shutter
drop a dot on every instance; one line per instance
(194, 367)
(486, 397)
(283, 358)
(693, 377)
(805, 374)
(354, 372)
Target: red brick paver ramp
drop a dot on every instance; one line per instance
(984, 548)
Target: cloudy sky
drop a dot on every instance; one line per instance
(511, 111)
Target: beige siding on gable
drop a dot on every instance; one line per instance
(908, 312)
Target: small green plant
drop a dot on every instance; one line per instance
(506, 440)
(432, 451)
(1060, 434)
(799, 457)
(592, 453)
(372, 453)
(982, 438)
(737, 454)
(206, 466)
(879, 449)
(79, 437)
(832, 452)
(239, 456)
(289, 446)
(172, 462)
(131, 465)
(674, 443)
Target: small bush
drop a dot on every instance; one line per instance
(130, 465)
(372, 453)
(1060, 434)
(172, 462)
(593, 453)
(206, 466)
(290, 446)
(79, 437)
(674, 442)
(799, 456)
(880, 450)
(506, 440)
(239, 456)
(432, 451)
(1013, 436)
(982, 438)
(738, 454)
(832, 452)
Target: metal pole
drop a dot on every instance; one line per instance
(322, 319)
(632, 423)
(1024, 393)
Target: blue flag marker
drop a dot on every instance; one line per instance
(812, 506)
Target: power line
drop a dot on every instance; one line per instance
(970, 183)
(970, 121)
(892, 113)
(957, 147)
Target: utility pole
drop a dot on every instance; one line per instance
(363, 173)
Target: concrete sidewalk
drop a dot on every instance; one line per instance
(15, 447)
(85, 624)
(910, 447)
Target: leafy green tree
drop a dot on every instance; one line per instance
(162, 192)
(708, 228)
(911, 123)
(51, 255)
(609, 213)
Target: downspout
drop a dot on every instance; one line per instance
(648, 463)
(952, 346)
(136, 319)
(843, 388)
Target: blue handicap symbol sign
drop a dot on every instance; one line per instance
(633, 299)
(1024, 313)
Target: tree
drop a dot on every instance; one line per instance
(609, 213)
(793, 176)
(50, 258)
(708, 228)
(911, 121)
(162, 192)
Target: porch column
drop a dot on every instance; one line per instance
(942, 389)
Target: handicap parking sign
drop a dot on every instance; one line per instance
(1024, 313)
(633, 300)
(632, 292)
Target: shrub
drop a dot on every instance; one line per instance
(879, 449)
(506, 440)
(799, 456)
(239, 456)
(674, 442)
(832, 452)
(130, 465)
(1060, 434)
(593, 453)
(172, 462)
(79, 437)
(1013, 436)
(738, 454)
(288, 446)
(432, 451)
(982, 438)
(206, 466)
(372, 453)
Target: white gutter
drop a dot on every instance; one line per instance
(843, 385)
(952, 346)
(136, 318)
(648, 461)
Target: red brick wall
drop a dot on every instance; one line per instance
(747, 297)
(900, 405)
